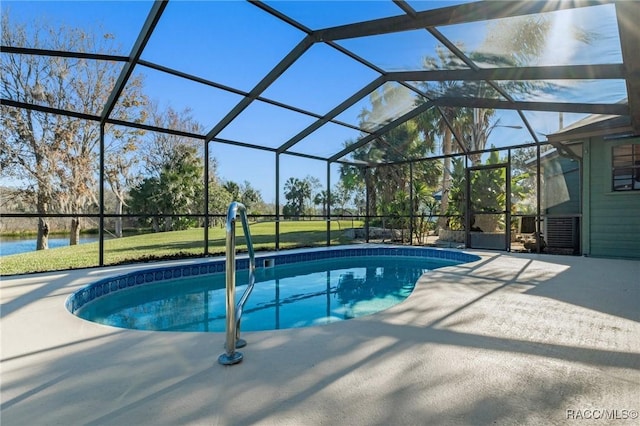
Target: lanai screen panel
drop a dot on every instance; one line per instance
(327, 140)
(380, 107)
(402, 51)
(584, 35)
(229, 47)
(545, 123)
(579, 36)
(585, 91)
(506, 128)
(53, 82)
(266, 125)
(323, 14)
(202, 104)
(230, 42)
(457, 88)
(112, 26)
(422, 5)
(321, 79)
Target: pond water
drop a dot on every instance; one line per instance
(9, 246)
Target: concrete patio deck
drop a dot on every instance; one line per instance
(509, 339)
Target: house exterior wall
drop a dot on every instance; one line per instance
(568, 171)
(561, 201)
(611, 220)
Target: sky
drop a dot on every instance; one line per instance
(236, 44)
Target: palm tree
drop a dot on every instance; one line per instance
(296, 191)
(233, 189)
(521, 41)
(438, 123)
(399, 144)
(321, 199)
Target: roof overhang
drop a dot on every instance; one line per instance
(594, 126)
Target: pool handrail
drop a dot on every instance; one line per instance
(234, 312)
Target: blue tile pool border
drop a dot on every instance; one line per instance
(113, 284)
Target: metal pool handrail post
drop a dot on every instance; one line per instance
(234, 313)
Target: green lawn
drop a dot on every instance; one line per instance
(176, 244)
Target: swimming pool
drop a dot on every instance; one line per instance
(298, 289)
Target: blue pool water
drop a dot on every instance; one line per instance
(300, 291)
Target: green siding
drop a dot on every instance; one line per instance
(612, 224)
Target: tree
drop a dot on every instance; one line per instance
(296, 192)
(340, 196)
(143, 199)
(441, 123)
(158, 148)
(251, 198)
(322, 199)
(174, 170)
(120, 167)
(55, 155)
(424, 205)
(177, 191)
(182, 186)
(508, 43)
(315, 187)
(233, 189)
(244, 193)
(219, 200)
(352, 179)
(401, 143)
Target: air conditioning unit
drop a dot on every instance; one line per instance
(562, 232)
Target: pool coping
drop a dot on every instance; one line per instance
(208, 266)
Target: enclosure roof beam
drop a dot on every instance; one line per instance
(269, 149)
(62, 54)
(48, 110)
(265, 7)
(456, 136)
(459, 154)
(473, 67)
(595, 108)
(628, 14)
(333, 113)
(528, 125)
(151, 128)
(280, 68)
(96, 118)
(242, 144)
(190, 77)
(562, 72)
(308, 156)
(460, 14)
(410, 11)
(143, 37)
(384, 129)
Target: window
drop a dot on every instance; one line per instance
(626, 167)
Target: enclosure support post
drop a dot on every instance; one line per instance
(538, 201)
(328, 201)
(101, 200)
(467, 203)
(277, 201)
(366, 196)
(507, 217)
(411, 206)
(206, 198)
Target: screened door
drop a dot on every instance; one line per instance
(488, 218)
